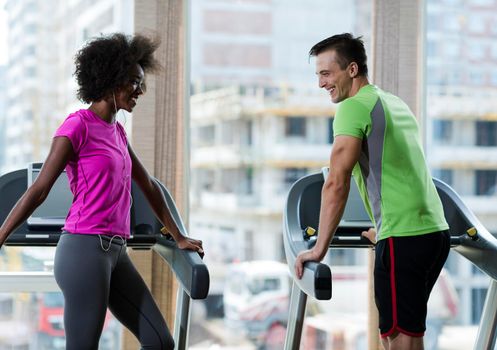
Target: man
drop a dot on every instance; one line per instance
(377, 141)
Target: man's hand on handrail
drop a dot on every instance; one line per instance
(370, 234)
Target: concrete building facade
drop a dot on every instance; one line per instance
(43, 37)
(461, 110)
(258, 120)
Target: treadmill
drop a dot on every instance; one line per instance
(468, 237)
(188, 266)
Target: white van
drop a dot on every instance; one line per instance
(256, 301)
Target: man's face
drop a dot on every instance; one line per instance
(331, 77)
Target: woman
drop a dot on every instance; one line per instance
(92, 267)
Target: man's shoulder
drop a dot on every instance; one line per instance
(355, 105)
(366, 98)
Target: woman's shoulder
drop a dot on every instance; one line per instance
(74, 128)
(78, 117)
(82, 118)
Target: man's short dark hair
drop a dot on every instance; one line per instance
(347, 48)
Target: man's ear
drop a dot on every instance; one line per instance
(353, 69)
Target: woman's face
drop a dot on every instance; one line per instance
(127, 96)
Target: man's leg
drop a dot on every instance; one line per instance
(401, 341)
(412, 266)
(385, 343)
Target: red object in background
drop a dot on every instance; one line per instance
(51, 314)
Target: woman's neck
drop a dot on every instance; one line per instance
(104, 111)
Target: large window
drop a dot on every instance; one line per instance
(254, 81)
(486, 133)
(486, 182)
(459, 109)
(295, 126)
(255, 134)
(204, 135)
(293, 174)
(446, 175)
(442, 130)
(37, 89)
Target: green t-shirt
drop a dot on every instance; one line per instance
(391, 174)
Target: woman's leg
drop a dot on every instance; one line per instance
(82, 271)
(133, 305)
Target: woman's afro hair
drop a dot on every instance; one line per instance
(103, 64)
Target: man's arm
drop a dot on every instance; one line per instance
(344, 156)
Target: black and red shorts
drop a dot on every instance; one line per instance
(406, 269)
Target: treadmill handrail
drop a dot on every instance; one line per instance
(187, 265)
(316, 279)
(483, 251)
(189, 268)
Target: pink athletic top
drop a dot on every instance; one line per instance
(99, 175)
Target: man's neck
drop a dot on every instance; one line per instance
(357, 84)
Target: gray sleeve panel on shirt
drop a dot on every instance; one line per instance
(372, 158)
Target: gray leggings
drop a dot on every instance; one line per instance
(93, 279)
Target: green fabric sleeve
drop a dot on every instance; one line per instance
(352, 119)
